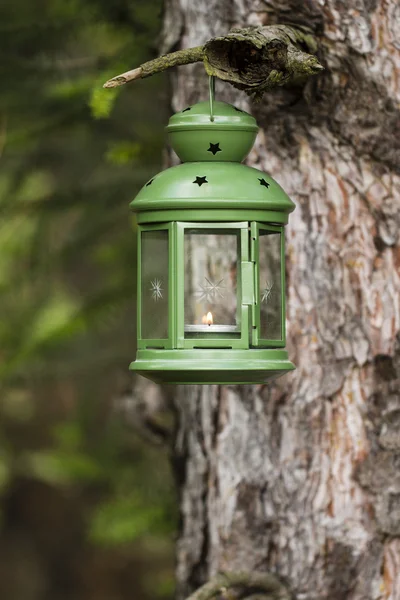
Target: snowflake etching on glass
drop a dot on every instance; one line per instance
(267, 291)
(156, 289)
(210, 291)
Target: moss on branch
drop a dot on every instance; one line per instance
(254, 59)
(180, 57)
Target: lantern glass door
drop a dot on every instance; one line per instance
(210, 271)
(211, 281)
(154, 283)
(268, 252)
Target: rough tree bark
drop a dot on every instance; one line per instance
(302, 478)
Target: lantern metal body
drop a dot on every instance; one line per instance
(211, 268)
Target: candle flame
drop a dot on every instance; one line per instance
(207, 319)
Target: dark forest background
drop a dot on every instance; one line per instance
(86, 504)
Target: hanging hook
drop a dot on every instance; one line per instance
(211, 85)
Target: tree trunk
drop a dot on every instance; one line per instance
(301, 478)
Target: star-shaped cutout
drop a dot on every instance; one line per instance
(263, 182)
(149, 182)
(214, 148)
(200, 180)
(188, 108)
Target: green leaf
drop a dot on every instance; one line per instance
(122, 153)
(124, 520)
(53, 318)
(58, 467)
(102, 102)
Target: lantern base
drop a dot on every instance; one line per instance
(208, 366)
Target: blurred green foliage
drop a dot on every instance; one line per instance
(72, 156)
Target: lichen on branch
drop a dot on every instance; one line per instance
(243, 585)
(254, 59)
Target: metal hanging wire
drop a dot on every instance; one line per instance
(211, 86)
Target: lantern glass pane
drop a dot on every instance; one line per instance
(211, 260)
(270, 285)
(154, 288)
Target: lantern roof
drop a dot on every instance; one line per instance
(212, 138)
(207, 185)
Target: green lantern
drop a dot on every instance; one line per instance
(211, 269)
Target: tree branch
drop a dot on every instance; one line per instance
(260, 586)
(254, 59)
(162, 63)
